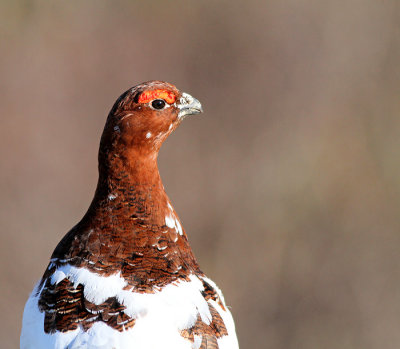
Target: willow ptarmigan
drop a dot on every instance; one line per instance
(125, 275)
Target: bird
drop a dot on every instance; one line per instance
(125, 275)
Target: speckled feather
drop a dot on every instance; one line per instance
(125, 275)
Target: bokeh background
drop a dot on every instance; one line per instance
(288, 185)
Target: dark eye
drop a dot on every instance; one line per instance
(158, 104)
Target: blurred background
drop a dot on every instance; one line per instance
(288, 185)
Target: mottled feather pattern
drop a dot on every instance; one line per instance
(125, 276)
(66, 308)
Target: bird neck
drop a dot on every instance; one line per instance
(130, 185)
(130, 225)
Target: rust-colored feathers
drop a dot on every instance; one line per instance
(126, 273)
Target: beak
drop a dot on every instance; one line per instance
(188, 106)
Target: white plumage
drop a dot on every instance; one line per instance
(160, 315)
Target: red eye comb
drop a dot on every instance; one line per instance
(148, 96)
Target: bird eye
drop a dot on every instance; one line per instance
(158, 104)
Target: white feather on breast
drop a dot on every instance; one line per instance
(160, 316)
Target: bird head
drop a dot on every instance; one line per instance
(145, 115)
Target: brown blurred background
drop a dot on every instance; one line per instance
(288, 185)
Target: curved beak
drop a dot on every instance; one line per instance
(188, 105)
